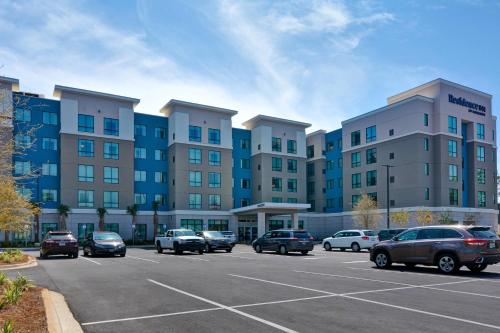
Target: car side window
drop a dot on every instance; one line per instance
(274, 234)
(429, 233)
(409, 235)
(284, 234)
(169, 233)
(338, 235)
(354, 234)
(450, 233)
(267, 235)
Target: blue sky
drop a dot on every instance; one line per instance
(315, 60)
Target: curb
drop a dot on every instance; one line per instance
(32, 262)
(59, 316)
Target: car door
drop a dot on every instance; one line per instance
(266, 240)
(354, 237)
(427, 240)
(168, 239)
(401, 248)
(337, 239)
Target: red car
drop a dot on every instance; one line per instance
(59, 242)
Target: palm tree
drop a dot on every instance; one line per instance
(132, 210)
(155, 205)
(63, 211)
(101, 212)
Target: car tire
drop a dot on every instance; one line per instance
(476, 268)
(176, 249)
(382, 259)
(258, 248)
(327, 246)
(122, 255)
(159, 249)
(200, 251)
(85, 253)
(43, 256)
(229, 250)
(207, 248)
(75, 255)
(355, 247)
(447, 263)
(282, 250)
(409, 264)
(304, 252)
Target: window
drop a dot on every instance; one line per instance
(426, 119)
(329, 146)
(218, 225)
(452, 148)
(330, 184)
(160, 155)
(245, 144)
(160, 177)
(49, 169)
(372, 196)
(330, 164)
(355, 138)
(340, 181)
(193, 224)
(371, 178)
(140, 231)
(214, 136)
(195, 178)
(49, 195)
(22, 114)
(356, 180)
(292, 185)
(194, 156)
(194, 201)
(140, 175)
(354, 199)
(111, 126)
(195, 133)
(371, 134)
(426, 193)
(453, 194)
(452, 124)
(22, 167)
(426, 169)
(276, 144)
(245, 163)
(276, 164)
(330, 203)
(452, 173)
(49, 118)
(245, 183)
(139, 130)
(112, 227)
(160, 132)
(408, 235)
(85, 123)
(214, 179)
(481, 176)
(110, 199)
(371, 156)
(111, 150)
(310, 169)
(85, 173)
(140, 153)
(292, 166)
(391, 156)
(111, 175)
(480, 131)
(392, 179)
(49, 143)
(85, 148)
(276, 184)
(213, 158)
(161, 199)
(481, 199)
(310, 151)
(391, 132)
(85, 199)
(22, 141)
(291, 146)
(480, 153)
(277, 199)
(311, 187)
(139, 198)
(292, 200)
(214, 201)
(355, 160)
(426, 144)
(245, 202)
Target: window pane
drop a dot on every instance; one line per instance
(111, 126)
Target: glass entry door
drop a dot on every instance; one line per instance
(247, 231)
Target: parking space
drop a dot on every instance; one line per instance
(244, 291)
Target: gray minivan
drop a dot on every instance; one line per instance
(284, 241)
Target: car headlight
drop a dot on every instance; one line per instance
(181, 240)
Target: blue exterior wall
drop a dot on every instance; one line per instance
(334, 174)
(465, 168)
(150, 165)
(238, 172)
(35, 153)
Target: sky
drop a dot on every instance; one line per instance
(317, 61)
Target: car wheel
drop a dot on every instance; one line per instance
(159, 249)
(447, 263)
(85, 252)
(355, 247)
(200, 251)
(176, 249)
(382, 259)
(122, 254)
(75, 255)
(476, 268)
(409, 264)
(43, 256)
(229, 250)
(207, 248)
(304, 252)
(282, 249)
(258, 248)
(327, 246)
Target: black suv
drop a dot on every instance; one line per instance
(284, 241)
(215, 240)
(386, 234)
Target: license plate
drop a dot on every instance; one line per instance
(62, 243)
(492, 245)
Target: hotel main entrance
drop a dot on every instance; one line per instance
(247, 230)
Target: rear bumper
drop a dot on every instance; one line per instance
(309, 246)
(490, 259)
(122, 250)
(59, 250)
(221, 246)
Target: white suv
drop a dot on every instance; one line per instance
(356, 240)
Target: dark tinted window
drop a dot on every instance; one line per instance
(339, 234)
(369, 232)
(409, 235)
(430, 233)
(354, 233)
(301, 234)
(481, 233)
(59, 235)
(450, 233)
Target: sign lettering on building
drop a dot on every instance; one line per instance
(473, 107)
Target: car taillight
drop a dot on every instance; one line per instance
(294, 238)
(365, 238)
(311, 238)
(475, 242)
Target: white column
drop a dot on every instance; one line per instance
(261, 223)
(295, 220)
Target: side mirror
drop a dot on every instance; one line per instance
(395, 238)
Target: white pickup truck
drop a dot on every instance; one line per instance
(180, 240)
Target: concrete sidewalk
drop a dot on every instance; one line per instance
(59, 316)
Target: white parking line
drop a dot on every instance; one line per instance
(241, 313)
(93, 261)
(233, 256)
(354, 262)
(191, 258)
(351, 277)
(282, 284)
(137, 258)
(313, 258)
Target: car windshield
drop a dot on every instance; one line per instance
(213, 234)
(369, 233)
(184, 233)
(59, 235)
(107, 237)
(482, 233)
(301, 234)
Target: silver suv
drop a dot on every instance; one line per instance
(447, 247)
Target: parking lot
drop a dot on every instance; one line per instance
(244, 291)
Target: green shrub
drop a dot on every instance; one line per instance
(8, 327)
(11, 256)
(22, 283)
(12, 294)
(3, 279)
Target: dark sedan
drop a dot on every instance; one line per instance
(104, 242)
(215, 240)
(284, 241)
(59, 242)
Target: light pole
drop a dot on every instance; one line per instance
(387, 166)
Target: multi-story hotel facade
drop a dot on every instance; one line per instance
(90, 149)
